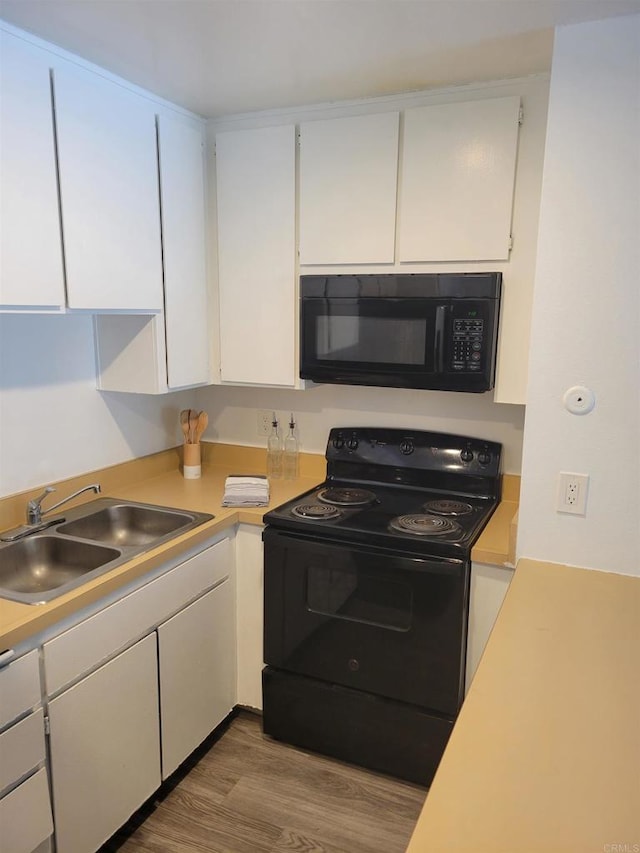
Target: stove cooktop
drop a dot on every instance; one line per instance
(395, 517)
(410, 491)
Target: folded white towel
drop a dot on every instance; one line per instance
(249, 490)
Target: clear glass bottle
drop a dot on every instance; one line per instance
(274, 452)
(290, 461)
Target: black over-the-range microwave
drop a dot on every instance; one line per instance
(437, 331)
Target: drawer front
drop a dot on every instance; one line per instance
(25, 815)
(85, 646)
(19, 687)
(21, 748)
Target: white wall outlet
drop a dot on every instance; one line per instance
(264, 421)
(572, 493)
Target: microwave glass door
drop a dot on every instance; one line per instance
(374, 334)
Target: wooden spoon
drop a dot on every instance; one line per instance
(184, 423)
(193, 423)
(203, 421)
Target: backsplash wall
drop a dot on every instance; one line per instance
(233, 414)
(54, 424)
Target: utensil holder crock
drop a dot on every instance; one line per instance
(192, 464)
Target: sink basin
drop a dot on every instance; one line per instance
(93, 539)
(38, 565)
(126, 525)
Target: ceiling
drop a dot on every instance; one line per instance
(219, 57)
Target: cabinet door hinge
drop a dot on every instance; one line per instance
(521, 117)
(47, 727)
(510, 242)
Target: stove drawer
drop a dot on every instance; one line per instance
(387, 624)
(371, 731)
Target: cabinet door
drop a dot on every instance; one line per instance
(108, 164)
(182, 183)
(489, 585)
(255, 178)
(30, 241)
(19, 687)
(25, 816)
(105, 749)
(197, 673)
(458, 171)
(249, 615)
(21, 749)
(348, 173)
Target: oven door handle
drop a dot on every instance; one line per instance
(438, 340)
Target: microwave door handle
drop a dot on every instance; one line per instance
(438, 341)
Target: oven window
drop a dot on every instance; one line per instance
(381, 340)
(355, 596)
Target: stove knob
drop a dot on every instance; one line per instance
(466, 455)
(407, 446)
(352, 443)
(484, 457)
(338, 441)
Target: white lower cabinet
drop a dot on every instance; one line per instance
(25, 807)
(25, 816)
(197, 673)
(105, 758)
(125, 712)
(249, 615)
(489, 585)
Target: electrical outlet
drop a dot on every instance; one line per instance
(264, 421)
(572, 493)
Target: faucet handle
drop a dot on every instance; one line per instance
(33, 507)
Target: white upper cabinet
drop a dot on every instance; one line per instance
(108, 166)
(31, 272)
(182, 187)
(143, 354)
(348, 176)
(256, 202)
(457, 181)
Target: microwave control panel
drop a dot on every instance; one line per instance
(467, 334)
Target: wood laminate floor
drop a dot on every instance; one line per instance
(251, 794)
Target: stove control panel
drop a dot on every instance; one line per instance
(410, 451)
(349, 442)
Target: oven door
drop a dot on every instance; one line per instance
(374, 621)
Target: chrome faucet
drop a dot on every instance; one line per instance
(34, 508)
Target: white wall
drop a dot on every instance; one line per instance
(233, 414)
(586, 316)
(53, 422)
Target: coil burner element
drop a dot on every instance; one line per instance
(424, 525)
(448, 507)
(317, 512)
(346, 496)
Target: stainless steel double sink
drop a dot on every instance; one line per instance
(91, 540)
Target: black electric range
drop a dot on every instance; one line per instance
(366, 597)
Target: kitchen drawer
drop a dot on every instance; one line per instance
(25, 815)
(21, 749)
(19, 687)
(85, 646)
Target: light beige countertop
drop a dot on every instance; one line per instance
(545, 755)
(157, 479)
